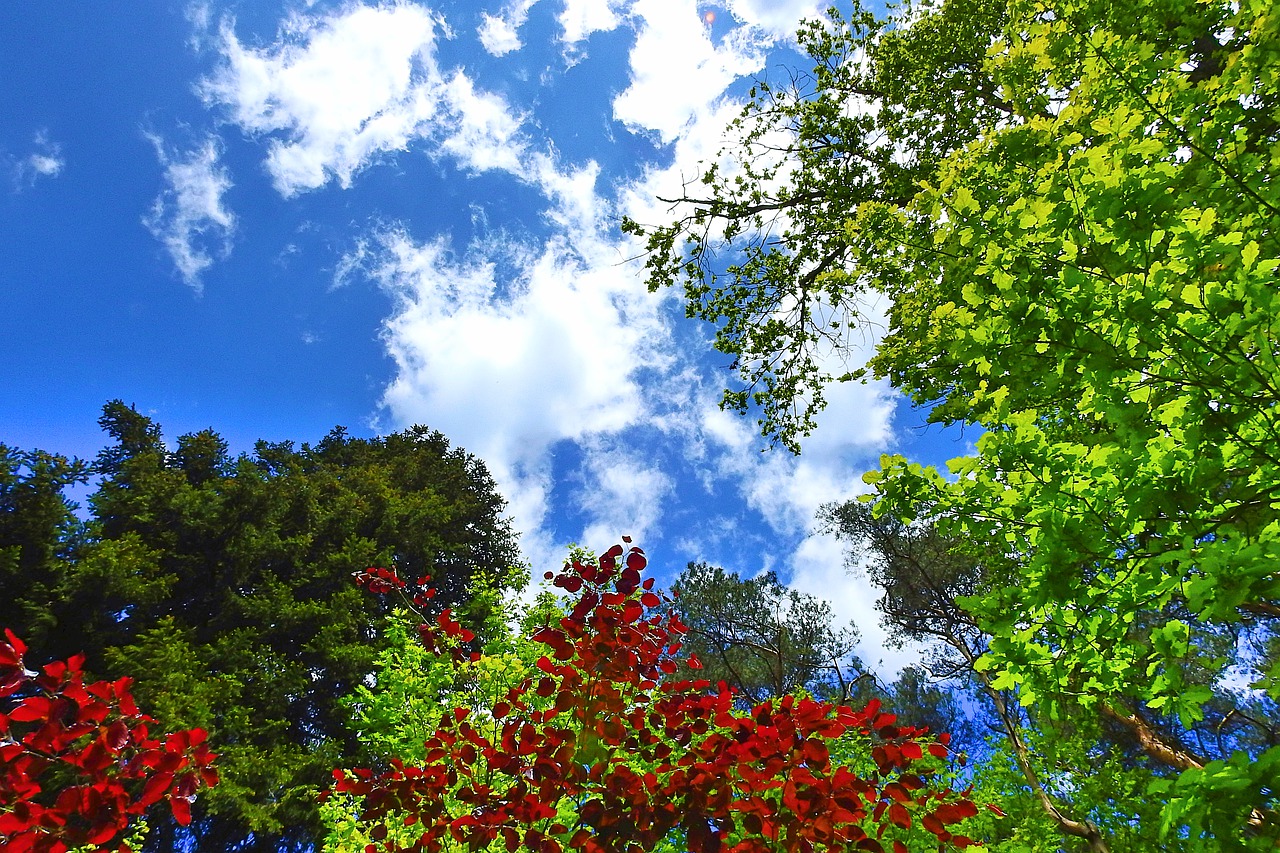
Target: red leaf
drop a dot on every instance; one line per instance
(181, 810)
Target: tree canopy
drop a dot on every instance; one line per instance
(763, 639)
(1069, 208)
(223, 585)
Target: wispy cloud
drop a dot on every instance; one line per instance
(622, 492)
(46, 161)
(499, 34)
(189, 217)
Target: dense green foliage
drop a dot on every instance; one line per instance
(1070, 210)
(223, 584)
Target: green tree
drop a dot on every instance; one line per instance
(224, 584)
(38, 527)
(781, 244)
(764, 639)
(1083, 773)
(1085, 268)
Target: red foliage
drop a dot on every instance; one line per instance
(640, 756)
(77, 761)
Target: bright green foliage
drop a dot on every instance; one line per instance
(1098, 290)
(1078, 766)
(414, 687)
(1086, 268)
(781, 245)
(224, 584)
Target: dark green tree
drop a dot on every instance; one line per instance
(38, 528)
(224, 584)
(765, 639)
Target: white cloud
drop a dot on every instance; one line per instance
(335, 94)
(189, 217)
(581, 18)
(780, 18)
(817, 568)
(46, 161)
(342, 90)
(518, 349)
(621, 494)
(499, 34)
(677, 73)
(483, 132)
(44, 164)
(511, 355)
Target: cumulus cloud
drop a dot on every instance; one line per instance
(482, 132)
(46, 161)
(520, 348)
(189, 217)
(677, 72)
(511, 356)
(334, 94)
(338, 91)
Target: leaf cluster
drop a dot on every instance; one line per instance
(78, 763)
(597, 749)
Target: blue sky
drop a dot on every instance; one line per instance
(270, 218)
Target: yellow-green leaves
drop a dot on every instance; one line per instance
(1109, 245)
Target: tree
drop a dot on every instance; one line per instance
(225, 584)
(1078, 772)
(596, 751)
(78, 762)
(761, 638)
(1086, 271)
(780, 243)
(38, 527)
